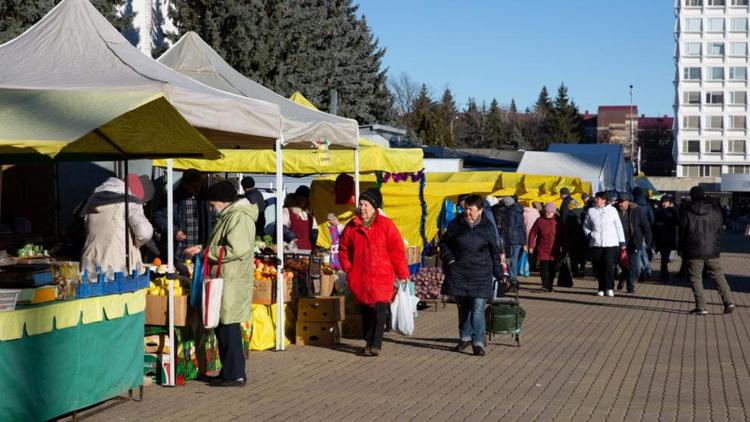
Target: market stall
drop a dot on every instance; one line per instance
(302, 128)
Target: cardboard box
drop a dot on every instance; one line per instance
(157, 312)
(318, 333)
(321, 309)
(352, 326)
(327, 281)
(352, 307)
(264, 292)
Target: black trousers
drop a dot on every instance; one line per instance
(373, 324)
(229, 338)
(664, 270)
(603, 260)
(547, 271)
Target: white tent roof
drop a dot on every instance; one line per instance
(589, 167)
(619, 173)
(75, 48)
(193, 57)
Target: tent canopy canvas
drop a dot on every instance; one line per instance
(94, 125)
(75, 48)
(619, 175)
(589, 167)
(193, 57)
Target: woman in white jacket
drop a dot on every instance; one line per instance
(104, 213)
(603, 228)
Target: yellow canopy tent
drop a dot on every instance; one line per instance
(94, 125)
(402, 205)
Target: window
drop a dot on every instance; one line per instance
(738, 49)
(692, 74)
(691, 171)
(691, 97)
(716, 2)
(691, 122)
(738, 25)
(739, 2)
(691, 147)
(693, 3)
(710, 171)
(715, 97)
(737, 122)
(715, 25)
(739, 169)
(714, 122)
(694, 25)
(736, 146)
(737, 73)
(715, 49)
(738, 97)
(713, 146)
(692, 49)
(715, 73)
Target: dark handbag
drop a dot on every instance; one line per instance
(564, 278)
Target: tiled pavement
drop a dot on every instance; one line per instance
(582, 358)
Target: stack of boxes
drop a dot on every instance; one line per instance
(319, 320)
(353, 321)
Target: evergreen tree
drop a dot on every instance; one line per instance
(496, 129)
(565, 121)
(424, 118)
(446, 114)
(17, 16)
(512, 108)
(543, 103)
(471, 130)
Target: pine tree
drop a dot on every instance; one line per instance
(512, 109)
(424, 117)
(497, 130)
(446, 114)
(16, 16)
(565, 121)
(543, 103)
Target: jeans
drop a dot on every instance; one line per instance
(373, 324)
(603, 260)
(514, 251)
(644, 266)
(547, 271)
(229, 339)
(695, 271)
(631, 273)
(471, 323)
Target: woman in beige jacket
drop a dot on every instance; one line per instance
(104, 214)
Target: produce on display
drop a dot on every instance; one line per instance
(32, 251)
(428, 282)
(159, 286)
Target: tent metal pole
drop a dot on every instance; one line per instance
(170, 266)
(127, 219)
(356, 170)
(280, 323)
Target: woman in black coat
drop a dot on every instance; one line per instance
(666, 224)
(471, 255)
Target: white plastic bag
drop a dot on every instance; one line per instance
(402, 311)
(212, 291)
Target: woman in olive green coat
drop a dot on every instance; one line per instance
(234, 231)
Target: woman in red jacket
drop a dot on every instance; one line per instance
(545, 239)
(371, 252)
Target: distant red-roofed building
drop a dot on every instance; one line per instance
(617, 125)
(656, 139)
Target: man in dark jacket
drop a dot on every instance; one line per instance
(514, 236)
(254, 196)
(700, 243)
(469, 251)
(637, 234)
(644, 254)
(192, 217)
(666, 224)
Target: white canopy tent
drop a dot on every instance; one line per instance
(75, 48)
(302, 126)
(589, 167)
(619, 173)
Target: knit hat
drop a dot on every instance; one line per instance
(222, 192)
(550, 207)
(248, 182)
(564, 191)
(697, 193)
(135, 186)
(373, 196)
(508, 201)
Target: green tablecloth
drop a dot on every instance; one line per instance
(47, 375)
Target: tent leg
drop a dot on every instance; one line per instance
(356, 170)
(170, 266)
(127, 219)
(280, 323)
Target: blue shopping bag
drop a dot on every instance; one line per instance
(195, 286)
(523, 264)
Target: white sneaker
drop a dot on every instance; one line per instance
(600, 293)
(610, 293)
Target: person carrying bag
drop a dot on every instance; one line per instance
(211, 293)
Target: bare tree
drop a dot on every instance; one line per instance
(405, 91)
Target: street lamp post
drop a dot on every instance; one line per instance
(632, 138)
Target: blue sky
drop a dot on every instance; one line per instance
(510, 48)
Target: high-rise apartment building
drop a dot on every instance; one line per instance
(711, 81)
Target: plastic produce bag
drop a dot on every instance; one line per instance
(402, 311)
(523, 264)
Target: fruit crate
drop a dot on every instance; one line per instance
(88, 290)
